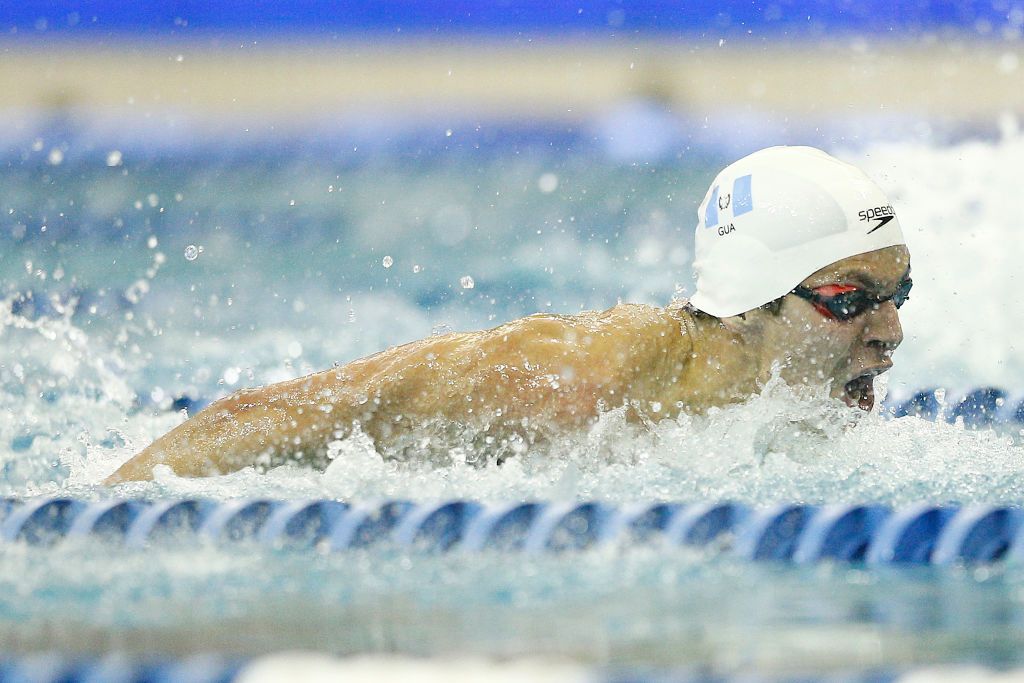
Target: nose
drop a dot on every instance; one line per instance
(882, 326)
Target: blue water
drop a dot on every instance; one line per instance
(197, 269)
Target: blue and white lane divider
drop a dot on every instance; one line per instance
(209, 668)
(979, 407)
(213, 668)
(55, 668)
(869, 534)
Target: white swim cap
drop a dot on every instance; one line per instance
(777, 216)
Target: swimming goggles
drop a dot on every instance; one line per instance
(843, 302)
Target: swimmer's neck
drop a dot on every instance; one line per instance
(720, 367)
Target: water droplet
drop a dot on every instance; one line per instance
(55, 157)
(467, 282)
(448, 133)
(294, 349)
(137, 291)
(152, 242)
(387, 262)
(1008, 63)
(114, 158)
(191, 252)
(153, 200)
(417, 268)
(547, 183)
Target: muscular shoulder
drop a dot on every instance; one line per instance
(624, 318)
(650, 343)
(613, 343)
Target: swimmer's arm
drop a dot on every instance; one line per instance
(270, 424)
(539, 369)
(235, 432)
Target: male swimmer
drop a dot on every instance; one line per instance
(800, 265)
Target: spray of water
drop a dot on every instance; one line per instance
(782, 445)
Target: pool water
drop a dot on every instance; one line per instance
(131, 280)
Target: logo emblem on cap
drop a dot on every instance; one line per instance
(740, 199)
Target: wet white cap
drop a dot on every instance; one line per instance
(775, 217)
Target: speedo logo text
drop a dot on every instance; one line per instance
(882, 214)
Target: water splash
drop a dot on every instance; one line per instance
(71, 394)
(782, 445)
(65, 397)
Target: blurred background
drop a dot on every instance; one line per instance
(200, 196)
(269, 172)
(265, 167)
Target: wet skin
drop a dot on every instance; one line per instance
(546, 374)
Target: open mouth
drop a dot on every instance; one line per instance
(860, 391)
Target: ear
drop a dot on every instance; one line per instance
(747, 325)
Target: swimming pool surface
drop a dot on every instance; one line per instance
(135, 275)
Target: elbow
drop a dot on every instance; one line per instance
(135, 469)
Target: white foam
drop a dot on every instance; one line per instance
(782, 445)
(961, 674)
(311, 667)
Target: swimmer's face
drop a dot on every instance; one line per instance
(815, 348)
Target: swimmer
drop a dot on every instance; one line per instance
(801, 266)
